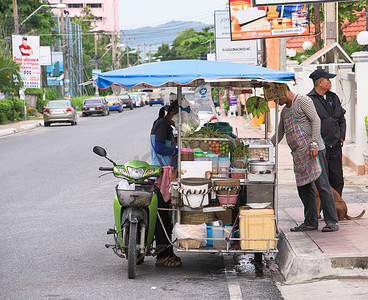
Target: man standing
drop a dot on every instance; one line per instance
(333, 124)
(301, 126)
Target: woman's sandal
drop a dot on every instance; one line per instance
(169, 262)
(303, 227)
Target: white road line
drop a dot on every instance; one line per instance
(232, 281)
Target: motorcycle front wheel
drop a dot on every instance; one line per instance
(132, 251)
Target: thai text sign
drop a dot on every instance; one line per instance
(284, 2)
(26, 51)
(249, 22)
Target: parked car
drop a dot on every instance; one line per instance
(59, 111)
(156, 98)
(206, 113)
(145, 97)
(137, 99)
(114, 103)
(126, 100)
(95, 105)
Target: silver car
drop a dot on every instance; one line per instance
(59, 111)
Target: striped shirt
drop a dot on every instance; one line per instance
(306, 116)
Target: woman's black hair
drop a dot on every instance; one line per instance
(161, 114)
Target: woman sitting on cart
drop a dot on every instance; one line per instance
(164, 153)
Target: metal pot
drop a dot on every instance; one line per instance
(260, 165)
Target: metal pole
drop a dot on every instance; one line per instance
(276, 204)
(179, 94)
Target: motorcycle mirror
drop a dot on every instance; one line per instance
(99, 151)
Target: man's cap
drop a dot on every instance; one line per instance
(321, 73)
(24, 38)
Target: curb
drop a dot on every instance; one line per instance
(8, 131)
(30, 126)
(300, 259)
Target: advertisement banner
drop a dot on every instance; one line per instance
(249, 22)
(26, 51)
(55, 72)
(285, 2)
(45, 55)
(244, 52)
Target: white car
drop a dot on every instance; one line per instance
(144, 96)
(137, 99)
(206, 113)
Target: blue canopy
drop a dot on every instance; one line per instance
(190, 73)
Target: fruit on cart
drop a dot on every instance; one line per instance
(256, 106)
(194, 144)
(204, 146)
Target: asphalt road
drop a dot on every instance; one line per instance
(55, 212)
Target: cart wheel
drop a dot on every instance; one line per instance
(258, 257)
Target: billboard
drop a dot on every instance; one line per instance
(26, 51)
(244, 52)
(284, 2)
(55, 71)
(249, 22)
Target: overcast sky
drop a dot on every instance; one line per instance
(134, 14)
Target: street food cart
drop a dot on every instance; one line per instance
(220, 204)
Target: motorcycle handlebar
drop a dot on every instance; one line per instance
(106, 169)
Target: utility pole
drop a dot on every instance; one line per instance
(15, 16)
(65, 56)
(127, 53)
(317, 23)
(331, 30)
(96, 63)
(113, 51)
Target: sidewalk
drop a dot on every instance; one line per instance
(310, 255)
(19, 127)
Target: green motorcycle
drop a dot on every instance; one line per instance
(135, 210)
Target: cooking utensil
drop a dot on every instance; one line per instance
(260, 165)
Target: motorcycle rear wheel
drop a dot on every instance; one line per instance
(132, 251)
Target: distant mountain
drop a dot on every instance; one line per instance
(161, 34)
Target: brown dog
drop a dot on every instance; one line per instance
(342, 209)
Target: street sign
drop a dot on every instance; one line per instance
(45, 55)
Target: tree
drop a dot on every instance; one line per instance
(188, 45)
(42, 23)
(9, 69)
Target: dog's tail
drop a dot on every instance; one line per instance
(357, 217)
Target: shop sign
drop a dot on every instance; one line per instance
(248, 22)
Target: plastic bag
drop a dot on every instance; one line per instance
(189, 231)
(189, 114)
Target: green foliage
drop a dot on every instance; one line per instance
(188, 45)
(8, 70)
(31, 112)
(366, 125)
(78, 101)
(6, 110)
(41, 23)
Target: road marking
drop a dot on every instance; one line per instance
(232, 281)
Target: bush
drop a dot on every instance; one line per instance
(366, 125)
(31, 111)
(6, 110)
(78, 101)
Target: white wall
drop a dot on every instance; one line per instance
(352, 89)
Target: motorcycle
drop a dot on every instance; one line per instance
(135, 210)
